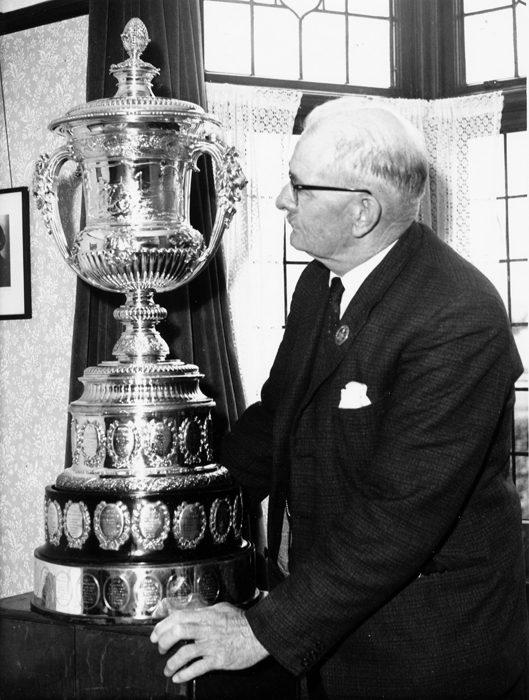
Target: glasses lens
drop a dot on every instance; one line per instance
(293, 193)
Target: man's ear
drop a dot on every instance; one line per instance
(366, 217)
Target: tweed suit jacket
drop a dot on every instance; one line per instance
(379, 493)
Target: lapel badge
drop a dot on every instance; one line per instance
(341, 335)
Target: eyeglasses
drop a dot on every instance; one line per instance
(295, 189)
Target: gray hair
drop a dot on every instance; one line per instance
(374, 146)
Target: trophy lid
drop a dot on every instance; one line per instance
(134, 98)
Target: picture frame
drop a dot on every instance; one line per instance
(15, 268)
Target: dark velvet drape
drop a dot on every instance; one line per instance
(197, 329)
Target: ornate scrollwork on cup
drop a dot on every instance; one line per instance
(160, 443)
(92, 440)
(151, 523)
(123, 443)
(229, 179)
(236, 516)
(191, 440)
(76, 524)
(189, 524)
(207, 438)
(53, 520)
(75, 441)
(220, 520)
(112, 524)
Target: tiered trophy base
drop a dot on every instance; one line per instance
(112, 555)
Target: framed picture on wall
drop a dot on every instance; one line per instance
(15, 272)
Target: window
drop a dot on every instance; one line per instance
(513, 215)
(341, 42)
(492, 23)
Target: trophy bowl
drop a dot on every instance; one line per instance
(136, 154)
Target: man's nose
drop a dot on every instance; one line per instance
(284, 198)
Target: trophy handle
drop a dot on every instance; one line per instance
(229, 181)
(45, 184)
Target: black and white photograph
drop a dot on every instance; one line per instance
(264, 350)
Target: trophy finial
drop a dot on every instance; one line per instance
(135, 38)
(134, 76)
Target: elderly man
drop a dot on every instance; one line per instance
(382, 439)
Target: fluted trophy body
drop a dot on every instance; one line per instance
(142, 520)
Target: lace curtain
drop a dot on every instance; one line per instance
(461, 135)
(259, 123)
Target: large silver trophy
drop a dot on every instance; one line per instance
(143, 521)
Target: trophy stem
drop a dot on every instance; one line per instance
(140, 342)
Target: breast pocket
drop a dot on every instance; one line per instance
(356, 432)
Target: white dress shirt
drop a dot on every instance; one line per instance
(352, 280)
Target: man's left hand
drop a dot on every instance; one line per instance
(217, 638)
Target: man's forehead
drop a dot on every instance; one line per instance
(312, 152)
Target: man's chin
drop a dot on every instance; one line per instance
(296, 241)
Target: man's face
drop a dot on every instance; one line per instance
(320, 221)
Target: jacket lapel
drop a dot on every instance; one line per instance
(308, 331)
(357, 313)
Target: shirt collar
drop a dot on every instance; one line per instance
(352, 280)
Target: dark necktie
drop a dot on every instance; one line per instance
(333, 309)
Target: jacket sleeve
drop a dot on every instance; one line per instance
(449, 393)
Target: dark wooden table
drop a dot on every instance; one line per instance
(41, 657)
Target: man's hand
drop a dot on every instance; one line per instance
(218, 637)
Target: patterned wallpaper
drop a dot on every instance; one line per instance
(43, 73)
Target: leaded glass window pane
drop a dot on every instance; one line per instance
(494, 40)
(518, 218)
(334, 42)
(334, 5)
(521, 35)
(369, 44)
(227, 37)
(378, 8)
(517, 164)
(277, 57)
(478, 5)
(324, 44)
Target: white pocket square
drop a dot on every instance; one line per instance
(354, 395)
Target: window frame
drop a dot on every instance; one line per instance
(429, 61)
